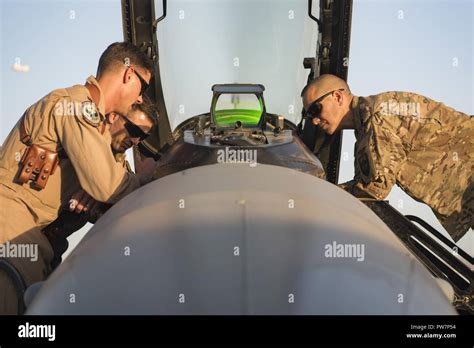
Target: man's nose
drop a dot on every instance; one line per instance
(140, 99)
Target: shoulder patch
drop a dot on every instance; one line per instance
(90, 113)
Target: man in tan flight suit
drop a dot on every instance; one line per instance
(125, 131)
(424, 146)
(34, 185)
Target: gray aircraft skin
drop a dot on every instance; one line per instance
(235, 239)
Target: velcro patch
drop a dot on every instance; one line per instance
(90, 113)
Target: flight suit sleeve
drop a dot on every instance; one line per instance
(377, 163)
(91, 156)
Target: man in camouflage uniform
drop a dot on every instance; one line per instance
(68, 124)
(422, 145)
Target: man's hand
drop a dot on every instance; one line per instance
(81, 201)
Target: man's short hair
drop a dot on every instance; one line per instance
(325, 83)
(148, 108)
(118, 53)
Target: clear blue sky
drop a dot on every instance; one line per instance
(417, 45)
(61, 47)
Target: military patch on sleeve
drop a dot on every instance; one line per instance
(90, 113)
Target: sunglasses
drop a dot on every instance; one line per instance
(143, 84)
(314, 110)
(133, 130)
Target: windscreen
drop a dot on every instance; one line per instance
(226, 41)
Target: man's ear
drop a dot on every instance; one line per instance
(339, 97)
(305, 99)
(112, 117)
(127, 76)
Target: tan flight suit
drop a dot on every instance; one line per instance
(56, 122)
(424, 146)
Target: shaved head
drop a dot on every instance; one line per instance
(334, 97)
(321, 85)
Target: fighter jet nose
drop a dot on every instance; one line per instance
(231, 239)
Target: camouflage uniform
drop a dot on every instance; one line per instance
(424, 146)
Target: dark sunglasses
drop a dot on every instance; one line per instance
(314, 110)
(133, 130)
(143, 84)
